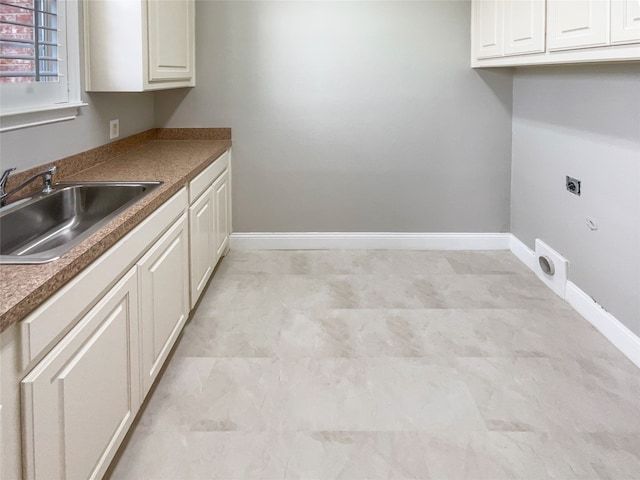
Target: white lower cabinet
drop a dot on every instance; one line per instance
(80, 400)
(209, 222)
(222, 202)
(164, 298)
(202, 242)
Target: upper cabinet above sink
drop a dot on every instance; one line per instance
(506, 33)
(139, 45)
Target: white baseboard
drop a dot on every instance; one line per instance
(524, 253)
(369, 241)
(608, 325)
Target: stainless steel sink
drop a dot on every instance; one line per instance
(44, 227)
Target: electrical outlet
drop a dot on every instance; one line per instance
(573, 185)
(114, 129)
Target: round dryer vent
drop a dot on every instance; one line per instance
(546, 264)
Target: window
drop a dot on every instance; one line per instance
(29, 41)
(39, 62)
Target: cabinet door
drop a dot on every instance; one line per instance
(625, 21)
(164, 298)
(80, 400)
(202, 243)
(488, 28)
(576, 24)
(171, 39)
(524, 24)
(222, 200)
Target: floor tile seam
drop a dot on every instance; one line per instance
(555, 358)
(430, 433)
(386, 274)
(384, 309)
(380, 357)
(445, 358)
(287, 430)
(204, 309)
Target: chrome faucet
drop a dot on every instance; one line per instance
(5, 177)
(46, 174)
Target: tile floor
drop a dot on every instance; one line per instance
(387, 364)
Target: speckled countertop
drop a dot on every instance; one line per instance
(174, 162)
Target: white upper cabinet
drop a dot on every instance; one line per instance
(487, 28)
(524, 22)
(508, 33)
(139, 45)
(625, 21)
(170, 40)
(577, 24)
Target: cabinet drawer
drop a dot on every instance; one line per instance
(199, 184)
(57, 315)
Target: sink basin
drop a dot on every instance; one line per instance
(43, 228)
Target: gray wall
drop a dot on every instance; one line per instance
(33, 146)
(352, 116)
(582, 121)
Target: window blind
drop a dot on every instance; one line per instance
(28, 41)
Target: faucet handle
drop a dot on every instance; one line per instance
(5, 176)
(48, 178)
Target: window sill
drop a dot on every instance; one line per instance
(14, 120)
